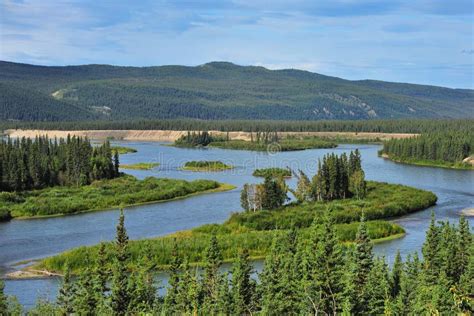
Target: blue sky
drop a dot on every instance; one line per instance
(419, 41)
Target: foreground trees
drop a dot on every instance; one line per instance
(302, 275)
(26, 164)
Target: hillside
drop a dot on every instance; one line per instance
(216, 90)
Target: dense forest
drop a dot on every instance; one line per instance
(216, 90)
(375, 126)
(304, 276)
(451, 147)
(34, 164)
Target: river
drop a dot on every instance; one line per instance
(31, 239)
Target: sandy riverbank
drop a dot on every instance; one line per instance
(170, 136)
(468, 212)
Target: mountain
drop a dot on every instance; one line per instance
(216, 90)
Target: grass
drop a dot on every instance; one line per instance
(100, 195)
(206, 166)
(272, 172)
(429, 163)
(256, 230)
(123, 150)
(286, 144)
(140, 166)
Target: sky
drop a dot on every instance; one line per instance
(416, 41)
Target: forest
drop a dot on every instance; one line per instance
(305, 275)
(215, 90)
(448, 148)
(27, 164)
(374, 126)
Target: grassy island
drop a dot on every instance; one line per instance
(100, 195)
(206, 166)
(263, 141)
(140, 166)
(255, 230)
(123, 150)
(272, 172)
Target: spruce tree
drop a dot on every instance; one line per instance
(377, 288)
(396, 275)
(120, 297)
(431, 250)
(327, 293)
(362, 261)
(86, 300)
(66, 293)
(211, 280)
(171, 297)
(243, 287)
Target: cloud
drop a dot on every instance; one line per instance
(397, 40)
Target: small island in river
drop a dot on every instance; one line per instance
(204, 166)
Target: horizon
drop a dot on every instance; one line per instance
(426, 42)
(238, 65)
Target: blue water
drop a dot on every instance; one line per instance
(32, 239)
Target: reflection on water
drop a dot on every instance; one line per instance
(30, 239)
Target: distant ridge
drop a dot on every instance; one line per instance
(215, 90)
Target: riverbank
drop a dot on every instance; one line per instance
(173, 135)
(102, 195)
(255, 230)
(430, 163)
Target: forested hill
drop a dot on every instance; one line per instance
(216, 90)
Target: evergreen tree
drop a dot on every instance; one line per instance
(120, 297)
(171, 299)
(327, 293)
(86, 300)
(377, 288)
(431, 251)
(396, 275)
(211, 280)
(362, 261)
(66, 293)
(244, 197)
(243, 287)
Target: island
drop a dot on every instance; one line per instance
(140, 166)
(123, 150)
(266, 217)
(204, 166)
(262, 141)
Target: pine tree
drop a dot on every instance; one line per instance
(243, 287)
(171, 297)
(327, 294)
(211, 280)
(66, 293)
(120, 297)
(463, 252)
(244, 197)
(377, 288)
(116, 164)
(101, 272)
(362, 261)
(431, 251)
(396, 275)
(85, 298)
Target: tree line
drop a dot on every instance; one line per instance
(338, 177)
(304, 276)
(447, 146)
(375, 126)
(34, 164)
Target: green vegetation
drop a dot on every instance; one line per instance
(305, 272)
(255, 230)
(371, 126)
(216, 90)
(447, 149)
(272, 172)
(260, 141)
(206, 166)
(27, 164)
(140, 166)
(123, 150)
(101, 195)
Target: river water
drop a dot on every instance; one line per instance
(32, 239)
